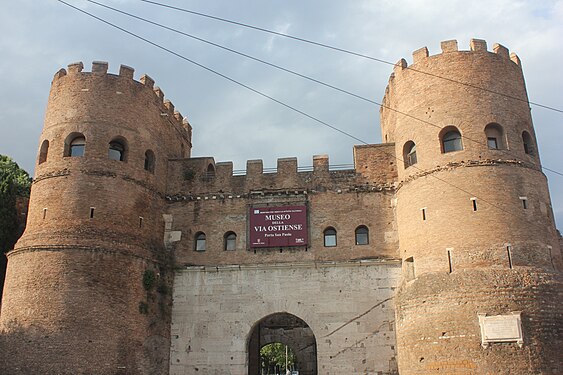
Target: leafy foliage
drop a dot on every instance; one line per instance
(14, 182)
(272, 356)
(148, 279)
(143, 308)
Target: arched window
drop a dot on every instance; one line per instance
(43, 151)
(451, 140)
(409, 154)
(329, 237)
(230, 241)
(362, 235)
(76, 146)
(495, 137)
(527, 142)
(200, 244)
(149, 161)
(117, 149)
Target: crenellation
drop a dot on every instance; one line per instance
(159, 94)
(287, 166)
(100, 67)
(515, 59)
(126, 71)
(254, 168)
(398, 67)
(419, 55)
(407, 235)
(501, 50)
(320, 164)
(59, 74)
(449, 46)
(224, 171)
(188, 128)
(75, 68)
(287, 172)
(445, 238)
(147, 81)
(169, 106)
(478, 45)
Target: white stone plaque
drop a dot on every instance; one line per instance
(501, 328)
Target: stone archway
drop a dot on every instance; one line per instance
(289, 330)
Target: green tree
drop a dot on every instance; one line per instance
(14, 182)
(272, 356)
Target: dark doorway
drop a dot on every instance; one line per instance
(289, 330)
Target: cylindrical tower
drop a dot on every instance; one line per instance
(87, 285)
(482, 289)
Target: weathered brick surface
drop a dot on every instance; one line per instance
(340, 204)
(75, 282)
(76, 311)
(75, 301)
(502, 257)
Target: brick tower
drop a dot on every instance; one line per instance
(87, 287)
(476, 229)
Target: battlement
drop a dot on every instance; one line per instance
(451, 46)
(100, 68)
(373, 170)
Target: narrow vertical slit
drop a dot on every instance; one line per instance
(44, 213)
(92, 212)
(423, 213)
(140, 221)
(474, 203)
(524, 202)
(550, 249)
(450, 261)
(509, 254)
(409, 269)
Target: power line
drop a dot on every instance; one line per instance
(357, 54)
(273, 99)
(294, 73)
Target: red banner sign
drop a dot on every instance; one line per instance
(278, 226)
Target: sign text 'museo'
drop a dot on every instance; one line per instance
(278, 226)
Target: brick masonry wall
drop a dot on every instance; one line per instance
(76, 311)
(438, 329)
(459, 261)
(76, 284)
(217, 203)
(75, 280)
(215, 216)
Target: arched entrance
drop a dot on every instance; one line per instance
(289, 330)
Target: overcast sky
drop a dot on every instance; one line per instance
(37, 38)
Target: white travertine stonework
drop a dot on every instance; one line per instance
(349, 307)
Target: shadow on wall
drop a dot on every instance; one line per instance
(22, 204)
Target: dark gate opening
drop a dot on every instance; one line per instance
(290, 331)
